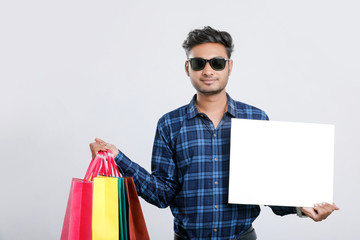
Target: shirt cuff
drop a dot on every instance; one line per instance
(124, 164)
(300, 213)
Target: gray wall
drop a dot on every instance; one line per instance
(72, 70)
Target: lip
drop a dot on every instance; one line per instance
(208, 80)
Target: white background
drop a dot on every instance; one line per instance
(72, 70)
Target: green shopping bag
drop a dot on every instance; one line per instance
(123, 229)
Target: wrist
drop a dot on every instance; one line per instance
(114, 150)
(299, 212)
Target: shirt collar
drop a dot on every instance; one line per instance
(192, 109)
(231, 106)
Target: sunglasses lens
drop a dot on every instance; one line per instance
(197, 64)
(218, 63)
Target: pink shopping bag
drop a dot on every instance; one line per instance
(78, 216)
(77, 221)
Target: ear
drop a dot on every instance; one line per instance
(187, 68)
(230, 66)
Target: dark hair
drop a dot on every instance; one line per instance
(208, 35)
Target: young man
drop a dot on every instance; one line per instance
(190, 162)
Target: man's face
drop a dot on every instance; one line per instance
(208, 81)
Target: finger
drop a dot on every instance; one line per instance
(92, 149)
(330, 207)
(323, 211)
(336, 207)
(322, 207)
(98, 140)
(319, 208)
(317, 211)
(95, 148)
(327, 207)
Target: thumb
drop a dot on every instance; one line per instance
(98, 140)
(309, 211)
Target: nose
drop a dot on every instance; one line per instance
(208, 71)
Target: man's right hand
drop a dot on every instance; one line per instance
(320, 211)
(100, 145)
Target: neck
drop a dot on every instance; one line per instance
(211, 103)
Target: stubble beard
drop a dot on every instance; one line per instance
(207, 92)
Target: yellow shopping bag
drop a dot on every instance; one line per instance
(105, 218)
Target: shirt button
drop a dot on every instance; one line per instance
(216, 206)
(214, 134)
(216, 182)
(215, 230)
(215, 159)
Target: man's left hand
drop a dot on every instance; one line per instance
(320, 211)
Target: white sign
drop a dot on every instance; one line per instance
(281, 163)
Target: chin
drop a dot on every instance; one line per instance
(210, 92)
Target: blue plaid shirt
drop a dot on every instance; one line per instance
(190, 173)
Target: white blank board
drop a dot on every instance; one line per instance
(281, 163)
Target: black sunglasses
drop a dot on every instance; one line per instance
(217, 63)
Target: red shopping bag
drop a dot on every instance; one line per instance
(77, 221)
(136, 221)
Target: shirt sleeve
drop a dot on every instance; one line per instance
(161, 186)
(281, 211)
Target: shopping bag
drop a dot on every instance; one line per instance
(136, 221)
(105, 219)
(103, 205)
(123, 229)
(77, 221)
(133, 224)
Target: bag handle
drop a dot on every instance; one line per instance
(94, 168)
(91, 169)
(102, 164)
(113, 169)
